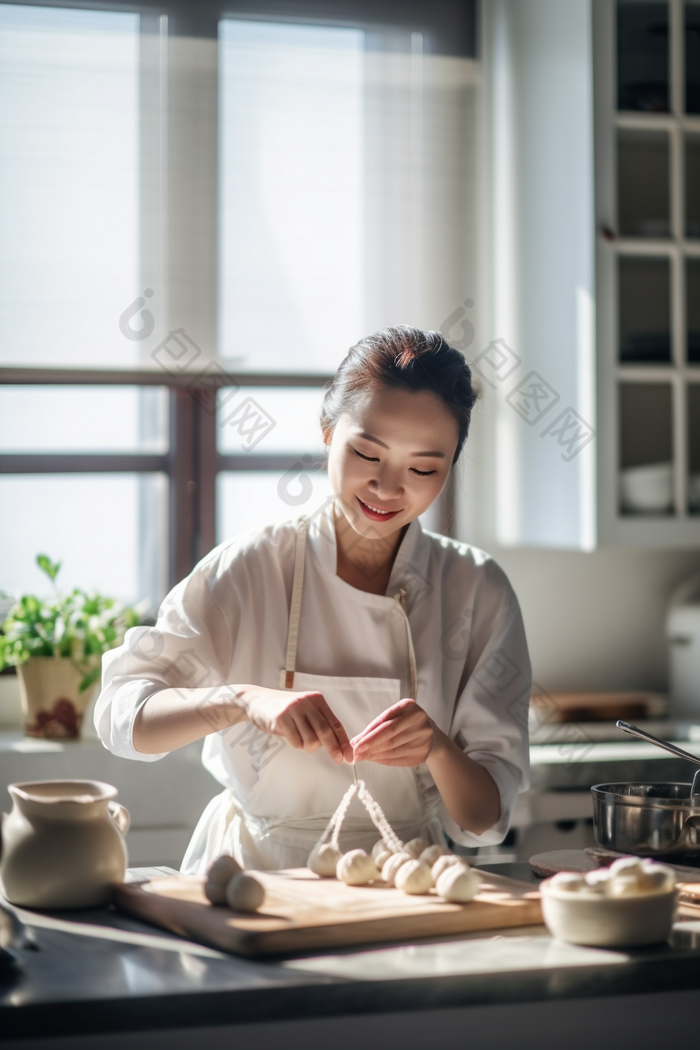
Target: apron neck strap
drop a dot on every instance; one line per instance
(295, 606)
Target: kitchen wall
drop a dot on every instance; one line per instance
(594, 620)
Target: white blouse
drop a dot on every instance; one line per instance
(226, 623)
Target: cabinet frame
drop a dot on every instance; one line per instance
(681, 529)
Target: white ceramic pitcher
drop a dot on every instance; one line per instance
(63, 844)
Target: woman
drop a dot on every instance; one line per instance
(347, 635)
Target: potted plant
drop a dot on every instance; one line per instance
(57, 647)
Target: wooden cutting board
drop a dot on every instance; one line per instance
(302, 911)
(596, 707)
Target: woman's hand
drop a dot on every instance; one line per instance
(403, 735)
(304, 720)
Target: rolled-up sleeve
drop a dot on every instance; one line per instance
(490, 721)
(187, 648)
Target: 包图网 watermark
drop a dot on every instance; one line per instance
(178, 355)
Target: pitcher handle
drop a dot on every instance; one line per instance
(120, 815)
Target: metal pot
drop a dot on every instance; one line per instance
(646, 819)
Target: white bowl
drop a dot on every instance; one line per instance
(608, 922)
(647, 490)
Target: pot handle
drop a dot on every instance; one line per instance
(120, 815)
(691, 830)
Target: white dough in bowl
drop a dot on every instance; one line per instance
(569, 881)
(458, 883)
(323, 860)
(414, 876)
(597, 881)
(356, 868)
(625, 865)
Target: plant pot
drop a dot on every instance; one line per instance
(52, 705)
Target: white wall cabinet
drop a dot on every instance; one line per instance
(592, 299)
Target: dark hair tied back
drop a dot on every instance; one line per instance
(408, 358)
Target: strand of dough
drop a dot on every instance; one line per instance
(376, 814)
(393, 842)
(336, 821)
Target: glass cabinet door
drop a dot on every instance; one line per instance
(644, 306)
(642, 56)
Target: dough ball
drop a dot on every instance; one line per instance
(219, 873)
(378, 848)
(626, 866)
(356, 868)
(569, 881)
(458, 883)
(445, 862)
(415, 847)
(414, 876)
(323, 860)
(391, 867)
(382, 857)
(656, 878)
(597, 881)
(431, 854)
(624, 885)
(244, 893)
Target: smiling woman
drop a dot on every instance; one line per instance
(342, 636)
(394, 420)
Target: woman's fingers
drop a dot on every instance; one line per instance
(325, 734)
(391, 713)
(409, 722)
(411, 754)
(288, 730)
(315, 726)
(336, 727)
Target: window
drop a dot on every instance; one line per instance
(201, 212)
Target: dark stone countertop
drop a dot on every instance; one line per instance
(102, 972)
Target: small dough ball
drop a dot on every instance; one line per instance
(626, 866)
(392, 865)
(244, 893)
(414, 876)
(431, 854)
(415, 847)
(569, 881)
(445, 862)
(356, 868)
(219, 873)
(458, 883)
(381, 858)
(323, 860)
(597, 881)
(656, 878)
(378, 848)
(625, 885)
(223, 868)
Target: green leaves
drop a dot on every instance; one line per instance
(46, 565)
(78, 626)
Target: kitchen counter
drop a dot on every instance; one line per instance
(100, 979)
(574, 756)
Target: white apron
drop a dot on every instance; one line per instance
(296, 793)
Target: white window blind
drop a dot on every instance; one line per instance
(69, 184)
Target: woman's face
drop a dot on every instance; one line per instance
(389, 457)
